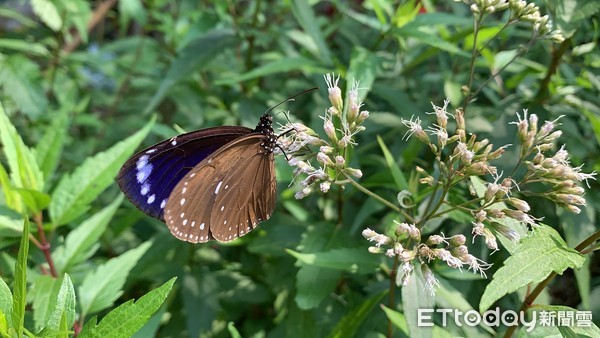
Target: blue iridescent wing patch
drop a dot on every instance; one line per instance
(149, 177)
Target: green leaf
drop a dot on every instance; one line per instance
(194, 57)
(354, 260)
(397, 318)
(77, 14)
(50, 146)
(397, 174)
(82, 242)
(307, 20)
(233, 332)
(283, 65)
(12, 199)
(25, 172)
(48, 13)
(64, 309)
(129, 317)
(103, 286)
(20, 79)
(314, 283)
(35, 201)
(415, 296)
(20, 282)
(350, 323)
(529, 264)
(363, 68)
(410, 31)
(4, 328)
(24, 46)
(44, 295)
(74, 192)
(6, 300)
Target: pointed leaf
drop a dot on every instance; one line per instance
(64, 310)
(355, 260)
(6, 299)
(103, 286)
(25, 172)
(397, 174)
(20, 79)
(49, 148)
(350, 323)
(308, 21)
(74, 192)
(46, 10)
(20, 282)
(12, 199)
(82, 242)
(44, 292)
(129, 317)
(314, 283)
(530, 264)
(193, 57)
(416, 296)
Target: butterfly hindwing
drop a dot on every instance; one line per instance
(226, 194)
(149, 176)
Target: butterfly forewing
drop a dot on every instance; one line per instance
(149, 176)
(226, 195)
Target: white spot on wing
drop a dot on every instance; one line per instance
(143, 172)
(218, 187)
(163, 203)
(182, 202)
(142, 161)
(145, 189)
(222, 207)
(151, 199)
(183, 190)
(202, 226)
(192, 175)
(182, 214)
(185, 221)
(150, 151)
(193, 223)
(174, 142)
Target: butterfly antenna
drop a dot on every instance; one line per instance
(290, 99)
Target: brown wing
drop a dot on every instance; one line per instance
(226, 195)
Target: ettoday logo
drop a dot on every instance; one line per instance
(492, 318)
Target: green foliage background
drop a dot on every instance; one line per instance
(78, 101)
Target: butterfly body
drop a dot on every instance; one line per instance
(215, 183)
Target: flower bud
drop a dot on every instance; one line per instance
(362, 117)
(353, 172)
(330, 130)
(458, 240)
(325, 186)
(326, 149)
(375, 250)
(324, 159)
(519, 204)
(434, 240)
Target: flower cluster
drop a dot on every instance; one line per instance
(554, 172)
(521, 11)
(498, 204)
(340, 124)
(449, 250)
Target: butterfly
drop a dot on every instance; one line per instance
(214, 183)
